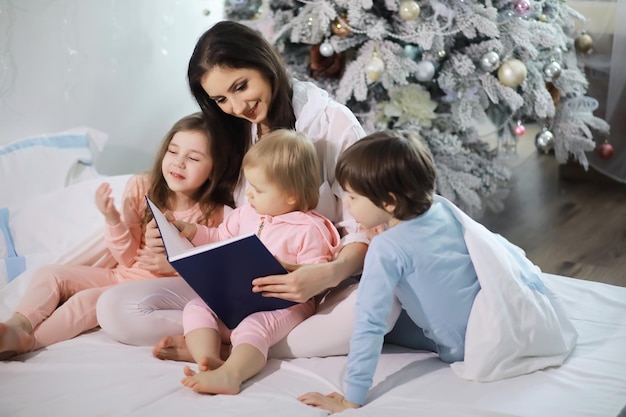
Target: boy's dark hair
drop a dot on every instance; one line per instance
(390, 167)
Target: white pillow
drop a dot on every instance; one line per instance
(39, 164)
(44, 228)
(328, 331)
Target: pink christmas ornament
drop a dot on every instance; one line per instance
(521, 6)
(519, 130)
(606, 151)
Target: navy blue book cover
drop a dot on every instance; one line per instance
(221, 273)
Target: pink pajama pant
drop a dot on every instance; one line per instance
(60, 301)
(261, 330)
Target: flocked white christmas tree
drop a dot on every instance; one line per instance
(443, 68)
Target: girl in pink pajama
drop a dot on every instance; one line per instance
(282, 172)
(60, 302)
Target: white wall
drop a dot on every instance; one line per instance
(116, 66)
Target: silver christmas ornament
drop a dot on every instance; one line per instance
(326, 49)
(425, 71)
(557, 54)
(490, 61)
(552, 71)
(544, 141)
(509, 14)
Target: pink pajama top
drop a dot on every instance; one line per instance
(127, 237)
(296, 237)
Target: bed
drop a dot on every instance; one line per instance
(93, 375)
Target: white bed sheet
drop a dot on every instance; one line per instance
(92, 375)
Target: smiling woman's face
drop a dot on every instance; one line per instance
(241, 92)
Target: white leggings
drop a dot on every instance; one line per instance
(142, 312)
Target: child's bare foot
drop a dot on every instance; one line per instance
(14, 341)
(217, 381)
(209, 364)
(172, 348)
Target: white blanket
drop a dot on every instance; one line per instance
(513, 329)
(60, 227)
(94, 376)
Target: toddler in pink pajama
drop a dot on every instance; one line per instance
(60, 301)
(282, 172)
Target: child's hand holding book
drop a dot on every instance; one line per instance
(187, 230)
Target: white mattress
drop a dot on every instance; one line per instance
(92, 375)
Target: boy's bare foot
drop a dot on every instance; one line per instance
(217, 381)
(172, 348)
(14, 341)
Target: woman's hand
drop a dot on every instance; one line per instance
(306, 281)
(106, 205)
(154, 262)
(299, 285)
(333, 402)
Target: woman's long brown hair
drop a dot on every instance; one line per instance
(233, 45)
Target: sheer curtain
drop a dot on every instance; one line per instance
(607, 75)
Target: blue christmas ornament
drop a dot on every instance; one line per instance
(413, 52)
(238, 4)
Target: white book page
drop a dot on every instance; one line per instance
(176, 246)
(174, 243)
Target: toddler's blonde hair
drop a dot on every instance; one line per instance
(289, 160)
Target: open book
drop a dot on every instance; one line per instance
(221, 273)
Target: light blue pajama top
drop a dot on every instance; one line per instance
(425, 263)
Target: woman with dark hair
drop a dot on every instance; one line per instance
(244, 92)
